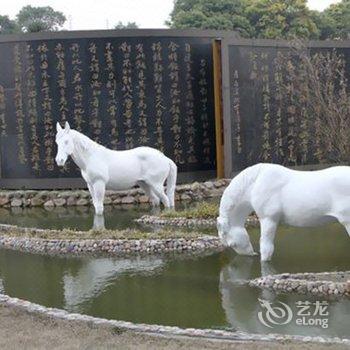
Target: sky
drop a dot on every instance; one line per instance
(105, 14)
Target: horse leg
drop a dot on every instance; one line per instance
(99, 222)
(268, 231)
(99, 188)
(158, 190)
(149, 193)
(344, 219)
(91, 190)
(346, 224)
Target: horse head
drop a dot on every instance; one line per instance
(65, 145)
(233, 236)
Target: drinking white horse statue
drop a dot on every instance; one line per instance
(103, 168)
(278, 194)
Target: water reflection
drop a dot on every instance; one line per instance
(80, 217)
(93, 277)
(234, 294)
(183, 290)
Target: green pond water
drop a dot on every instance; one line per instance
(202, 292)
(80, 218)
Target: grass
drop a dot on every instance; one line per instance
(68, 234)
(203, 210)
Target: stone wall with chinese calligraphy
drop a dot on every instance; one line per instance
(123, 92)
(287, 105)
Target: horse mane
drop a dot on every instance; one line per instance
(83, 142)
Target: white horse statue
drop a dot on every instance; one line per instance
(103, 168)
(278, 194)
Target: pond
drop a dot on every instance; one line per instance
(80, 217)
(201, 292)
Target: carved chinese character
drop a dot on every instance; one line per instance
(18, 100)
(2, 111)
(175, 101)
(32, 111)
(158, 86)
(46, 107)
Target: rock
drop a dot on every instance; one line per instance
(217, 184)
(49, 203)
(65, 194)
(71, 201)
(36, 202)
(4, 200)
(43, 195)
(107, 200)
(347, 286)
(208, 184)
(83, 194)
(117, 201)
(26, 202)
(128, 200)
(82, 201)
(183, 188)
(29, 194)
(185, 197)
(143, 199)
(18, 194)
(195, 186)
(16, 202)
(59, 202)
(54, 194)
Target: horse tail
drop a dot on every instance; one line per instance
(234, 193)
(171, 183)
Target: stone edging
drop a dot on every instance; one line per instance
(303, 283)
(49, 199)
(162, 330)
(252, 221)
(116, 247)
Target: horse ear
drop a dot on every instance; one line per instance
(67, 127)
(58, 127)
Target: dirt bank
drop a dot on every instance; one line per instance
(20, 329)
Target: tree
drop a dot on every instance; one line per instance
(210, 14)
(251, 18)
(129, 25)
(39, 19)
(335, 22)
(325, 24)
(281, 19)
(8, 26)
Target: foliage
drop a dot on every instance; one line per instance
(203, 210)
(39, 19)
(211, 14)
(335, 21)
(8, 26)
(328, 102)
(129, 25)
(264, 18)
(280, 19)
(304, 93)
